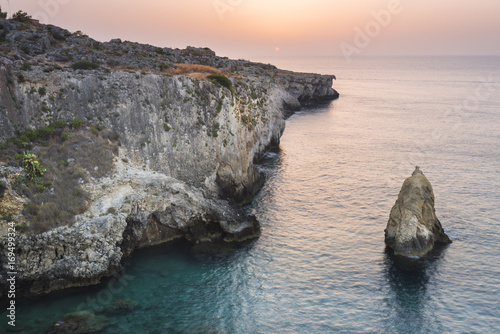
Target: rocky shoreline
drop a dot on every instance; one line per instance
(182, 147)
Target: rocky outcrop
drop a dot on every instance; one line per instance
(308, 88)
(10, 203)
(413, 228)
(187, 150)
(147, 209)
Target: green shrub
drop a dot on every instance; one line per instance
(31, 134)
(78, 192)
(59, 124)
(219, 106)
(66, 135)
(7, 217)
(2, 188)
(32, 166)
(215, 130)
(95, 128)
(21, 142)
(45, 132)
(21, 16)
(42, 91)
(3, 15)
(21, 227)
(166, 127)
(221, 80)
(77, 123)
(26, 66)
(45, 107)
(111, 210)
(84, 65)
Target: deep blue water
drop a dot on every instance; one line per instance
(321, 265)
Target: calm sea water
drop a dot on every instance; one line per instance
(321, 265)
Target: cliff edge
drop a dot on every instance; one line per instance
(141, 145)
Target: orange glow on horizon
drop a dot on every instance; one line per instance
(302, 27)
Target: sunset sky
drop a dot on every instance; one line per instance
(253, 28)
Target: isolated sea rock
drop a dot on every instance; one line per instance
(413, 228)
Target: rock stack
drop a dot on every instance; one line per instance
(413, 228)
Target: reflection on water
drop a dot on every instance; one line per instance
(408, 279)
(320, 265)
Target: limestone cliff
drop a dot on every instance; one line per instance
(413, 228)
(180, 160)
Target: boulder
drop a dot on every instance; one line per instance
(413, 228)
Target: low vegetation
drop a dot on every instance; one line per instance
(32, 166)
(3, 15)
(21, 16)
(221, 80)
(185, 69)
(2, 188)
(195, 71)
(84, 65)
(66, 157)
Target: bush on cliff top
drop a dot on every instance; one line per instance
(84, 65)
(3, 15)
(21, 16)
(221, 80)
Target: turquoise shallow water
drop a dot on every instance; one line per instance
(320, 265)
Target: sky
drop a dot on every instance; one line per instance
(256, 28)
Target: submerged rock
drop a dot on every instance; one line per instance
(79, 322)
(120, 306)
(413, 227)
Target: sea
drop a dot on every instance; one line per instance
(321, 265)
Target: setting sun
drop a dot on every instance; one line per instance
(317, 27)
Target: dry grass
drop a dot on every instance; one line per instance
(57, 197)
(196, 71)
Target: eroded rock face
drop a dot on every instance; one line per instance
(10, 204)
(413, 228)
(188, 146)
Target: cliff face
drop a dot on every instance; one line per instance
(187, 144)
